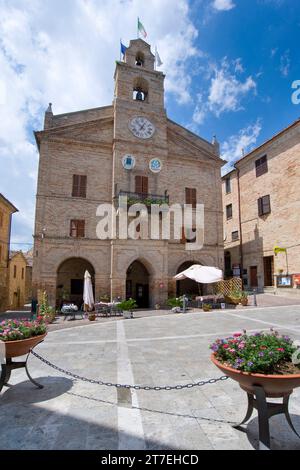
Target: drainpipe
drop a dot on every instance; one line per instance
(240, 224)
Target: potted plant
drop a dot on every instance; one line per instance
(207, 308)
(175, 302)
(45, 310)
(21, 336)
(157, 306)
(127, 307)
(265, 359)
(234, 297)
(92, 316)
(244, 299)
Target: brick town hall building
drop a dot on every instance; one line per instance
(84, 162)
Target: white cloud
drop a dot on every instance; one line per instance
(226, 91)
(223, 5)
(65, 52)
(241, 143)
(285, 63)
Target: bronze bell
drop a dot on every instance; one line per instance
(139, 96)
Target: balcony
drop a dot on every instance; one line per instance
(141, 198)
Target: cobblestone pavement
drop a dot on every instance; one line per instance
(157, 350)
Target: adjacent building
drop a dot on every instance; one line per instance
(17, 280)
(261, 204)
(130, 148)
(6, 211)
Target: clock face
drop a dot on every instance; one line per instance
(155, 165)
(141, 127)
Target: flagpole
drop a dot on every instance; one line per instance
(120, 49)
(137, 29)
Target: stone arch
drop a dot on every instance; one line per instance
(140, 89)
(69, 279)
(141, 285)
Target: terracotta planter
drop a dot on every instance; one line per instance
(275, 386)
(231, 300)
(92, 317)
(22, 346)
(244, 302)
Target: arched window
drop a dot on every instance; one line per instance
(140, 89)
(139, 59)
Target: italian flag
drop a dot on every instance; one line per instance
(141, 29)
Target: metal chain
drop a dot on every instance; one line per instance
(134, 387)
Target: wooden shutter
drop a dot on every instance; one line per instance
(82, 185)
(138, 184)
(141, 184)
(79, 186)
(260, 208)
(75, 190)
(261, 166)
(191, 196)
(266, 206)
(80, 228)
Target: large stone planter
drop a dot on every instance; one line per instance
(22, 346)
(275, 386)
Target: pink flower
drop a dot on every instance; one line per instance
(280, 349)
(237, 335)
(225, 346)
(241, 345)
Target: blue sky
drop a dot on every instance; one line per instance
(229, 66)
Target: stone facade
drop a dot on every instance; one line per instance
(6, 211)
(92, 143)
(280, 226)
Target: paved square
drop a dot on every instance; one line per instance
(163, 350)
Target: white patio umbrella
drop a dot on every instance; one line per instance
(88, 296)
(203, 274)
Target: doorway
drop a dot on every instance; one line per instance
(269, 271)
(137, 284)
(253, 277)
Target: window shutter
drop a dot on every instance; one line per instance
(145, 184)
(191, 196)
(80, 228)
(75, 190)
(183, 238)
(260, 209)
(266, 206)
(82, 186)
(138, 184)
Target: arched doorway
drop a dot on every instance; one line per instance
(70, 279)
(188, 286)
(137, 284)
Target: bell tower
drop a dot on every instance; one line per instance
(140, 146)
(136, 78)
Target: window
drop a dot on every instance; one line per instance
(235, 235)
(264, 205)
(77, 228)
(228, 185)
(261, 166)
(79, 186)
(15, 271)
(229, 211)
(22, 273)
(141, 184)
(1, 218)
(191, 197)
(0, 253)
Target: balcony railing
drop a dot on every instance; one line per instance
(147, 199)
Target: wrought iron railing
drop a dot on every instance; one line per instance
(147, 199)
